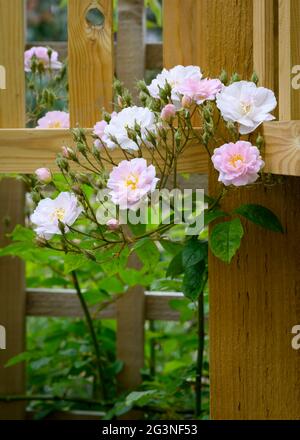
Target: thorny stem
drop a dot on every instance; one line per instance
(92, 331)
(200, 350)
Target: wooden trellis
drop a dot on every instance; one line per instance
(255, 301)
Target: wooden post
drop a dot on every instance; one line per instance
(255, 301)
(12, 277)
(131, 307)
(90, 55)
(131, 44)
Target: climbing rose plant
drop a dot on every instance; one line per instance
(135, 151)
(109, 199)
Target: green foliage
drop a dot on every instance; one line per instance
(225, 239)
(147, 252)
(193, 280)
(260, 215)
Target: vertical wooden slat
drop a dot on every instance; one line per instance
(265, 42)
(131, 45)
(289, 55)
(254, 302)
(12, 277)
(130, 333)
(90, 50)
(131, 308)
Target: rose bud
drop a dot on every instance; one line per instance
(168, 112)
(186, 101)
(44, 175)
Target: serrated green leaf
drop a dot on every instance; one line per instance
(21, 357)
(140, 398)
(20, 233)
(194, 280)
(260, 215)
(175, 267)
(193, 252)
(225, 239)
(147, 252)
(73, 262)
(210, 216)
(111, 285)
(172, 247)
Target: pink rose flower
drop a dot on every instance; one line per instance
(238, 164)
(130, 182)
(48, 213)
(44, 175)
(99, 132)
(247, 104)
(99, 128)
(200, 90)
(42, 56)
(168, 112)
(54, 119)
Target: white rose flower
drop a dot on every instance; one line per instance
(49, 212)
(175, 77)
(247, 104)
(127, 118)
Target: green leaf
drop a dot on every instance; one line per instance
(133, 277)
(175, 267)
(174, 365)
(225, 239)
(193, 252)
(147, 252)
(111, 285)
(73, 262)
(210, 216)
(21, 357)
(260, 215)
(194, 280)
(19, 249)
(140, 398)
(172, 247)
(20, 233)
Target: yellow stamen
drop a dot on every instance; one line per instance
(234, 159)
(55, 124)
(246, 107)
(132, 181)
(58, 214)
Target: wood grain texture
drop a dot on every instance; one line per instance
(90, 59)
(12, 277)
(265, 37)
(289, 55)
(282, 154)
(130, 43)
(25, 150)
(254, 302)
(64, 302)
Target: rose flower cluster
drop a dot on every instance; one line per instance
(150, 138)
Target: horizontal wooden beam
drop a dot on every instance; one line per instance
(64, 302)
(25, 150)
(154, 58)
